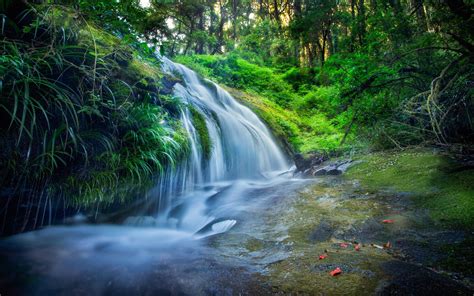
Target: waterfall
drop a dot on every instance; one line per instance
(242, 148)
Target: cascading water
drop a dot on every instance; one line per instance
(236, 184)
(242, 149)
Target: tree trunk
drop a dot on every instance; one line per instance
(361, 30)
(276, 12)
(418, 8)
(200, 41)
(235, 5)
(353, 27)
(220, 29)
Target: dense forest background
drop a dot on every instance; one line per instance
(398, 72)
(87, 113)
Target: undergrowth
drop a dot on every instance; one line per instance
(304, 118)
(80, 110)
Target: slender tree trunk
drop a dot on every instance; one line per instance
(200, 42)
(276, 12)
(420, 15)
(220, 30)
(190, 33)
(297, 12)
(361, 30)
(261, 12)
(235, 5)
(353, 27)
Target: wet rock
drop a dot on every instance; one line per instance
(216, 226)
(167, 84)
(178, 211)
(213, 199)
(427, 247)
(304, 163)
(332, 169)
(322, 232)
(410, 279)
(370, 230)
(317, 165)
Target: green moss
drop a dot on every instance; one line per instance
(143, 68)
(101, 42)
(435, 181)
(203, 132)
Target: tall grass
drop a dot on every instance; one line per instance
(75, 116)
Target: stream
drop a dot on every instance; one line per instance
(236, 221)
(245, 175)
(139, 260)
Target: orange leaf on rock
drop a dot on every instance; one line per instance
(336, 271)
(388, 221)
(323, 256)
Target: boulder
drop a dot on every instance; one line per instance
(305, 163)
(317, 165)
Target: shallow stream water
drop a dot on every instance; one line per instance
(150, 260)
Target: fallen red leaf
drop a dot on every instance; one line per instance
(388, 221)
(343, 245)
(321, 257)
(336, 271)
(357, 247)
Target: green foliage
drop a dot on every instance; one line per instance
(308, 120)
(236, 72)
(147, 144)
(78, 107)
(323, 99)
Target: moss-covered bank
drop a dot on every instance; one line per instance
(434, 180)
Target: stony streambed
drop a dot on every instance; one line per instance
(274, 249)
(331, 215)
